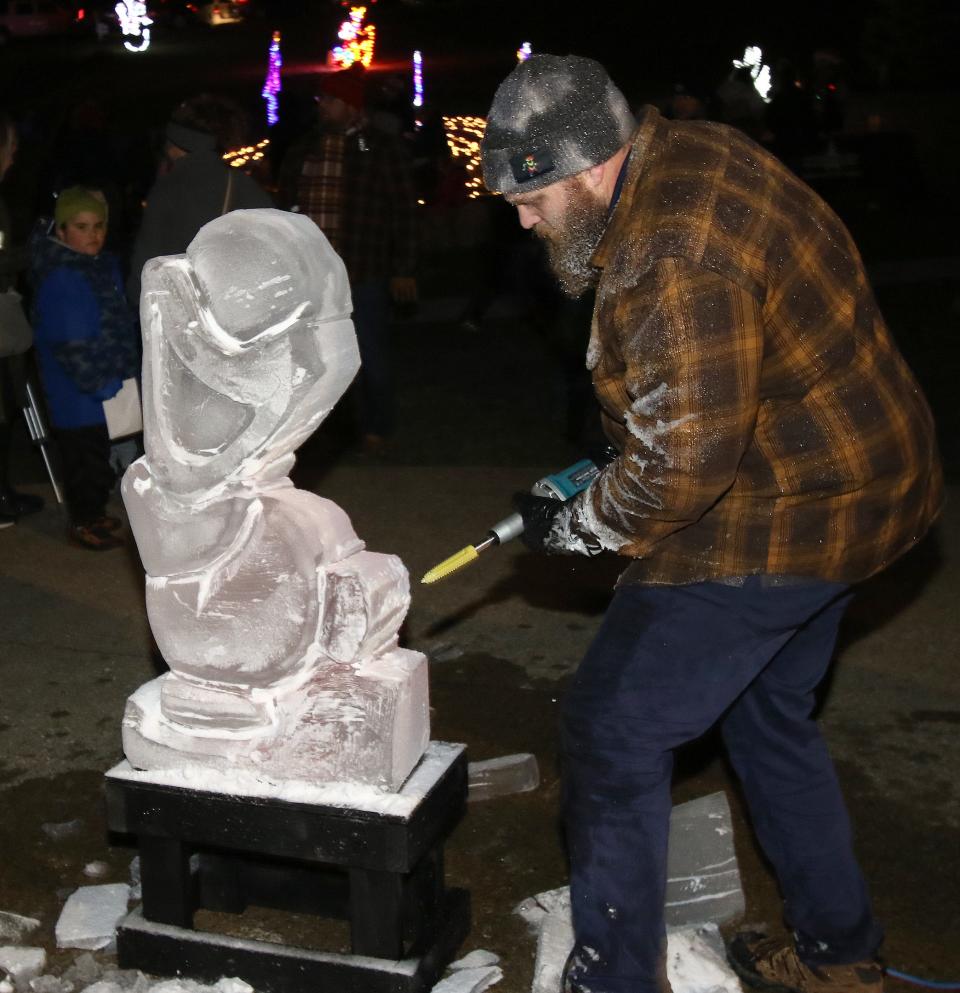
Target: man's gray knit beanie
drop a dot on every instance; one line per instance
(552, 117)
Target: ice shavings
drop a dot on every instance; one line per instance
(594, 351)
(244, 783)
(696, 962)
(650, 435)
(647, 405)
(578, 519)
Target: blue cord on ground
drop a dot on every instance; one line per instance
(930, 984)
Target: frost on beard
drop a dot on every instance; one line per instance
(279, 628)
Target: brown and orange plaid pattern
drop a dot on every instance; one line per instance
(767, 421)
(358, 189)
(321, 187)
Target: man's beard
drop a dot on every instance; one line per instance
(571, 245)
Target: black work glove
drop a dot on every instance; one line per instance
(538, 514)
(601, 457)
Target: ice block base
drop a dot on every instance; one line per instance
(366, 723)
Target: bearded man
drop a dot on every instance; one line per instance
(774, 450)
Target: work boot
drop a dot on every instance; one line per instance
(108, 523)
(94, 538)
(773, 964)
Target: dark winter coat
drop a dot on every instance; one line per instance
(181, 202)
(84, 333)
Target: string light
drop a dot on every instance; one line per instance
(239, 157)
(524, 52)
(272, 84)
(358, 39)
(759, 73)
(464, 135)
(134, 22)
(417, 79)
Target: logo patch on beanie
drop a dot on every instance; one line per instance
(529, 165)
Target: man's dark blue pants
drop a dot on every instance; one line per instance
(669, 663)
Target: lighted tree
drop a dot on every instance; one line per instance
(357, 39)
(272, 84)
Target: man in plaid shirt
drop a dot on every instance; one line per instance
(774, 450)
(356, 185)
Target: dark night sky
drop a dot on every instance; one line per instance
(649, 46)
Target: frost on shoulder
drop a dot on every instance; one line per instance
(278, 626)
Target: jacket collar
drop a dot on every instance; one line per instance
(645, 146)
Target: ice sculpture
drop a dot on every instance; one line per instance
(279, 629)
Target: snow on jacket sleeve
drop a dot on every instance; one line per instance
(69, 322)
(686, 345)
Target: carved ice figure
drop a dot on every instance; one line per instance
(279, 629)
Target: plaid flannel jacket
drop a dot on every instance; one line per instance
(358, 189)
(766, 421)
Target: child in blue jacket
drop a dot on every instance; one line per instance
(86, 345)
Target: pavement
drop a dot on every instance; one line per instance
(478, 419)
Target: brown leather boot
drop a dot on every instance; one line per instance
(773, 964)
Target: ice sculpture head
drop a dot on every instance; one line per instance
(250, 345)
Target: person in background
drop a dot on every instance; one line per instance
(355, 184)
(13, 260)
(195, 185)
(85, 338)
(774, 451)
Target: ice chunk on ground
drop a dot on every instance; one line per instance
(535, 908)
(128, 980)
(502, 776)
(553, 947)
(63, 829)
(50, 984)
(22, 964)
(84, 971)
(96, 870)
(696, 961)
(475, 960)
(444, 652)
(15, 927)
(470, 980)
(703, 878)
(90, 915)
(224, 985)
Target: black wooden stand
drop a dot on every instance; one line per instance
(381, 871)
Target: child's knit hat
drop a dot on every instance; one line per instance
(77, 200)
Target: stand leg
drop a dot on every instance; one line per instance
(167, 885)
(376, 913)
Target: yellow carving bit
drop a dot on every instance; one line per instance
(501, 532)
(456, 561)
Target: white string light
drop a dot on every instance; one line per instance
(134, 22)
(759, 73)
